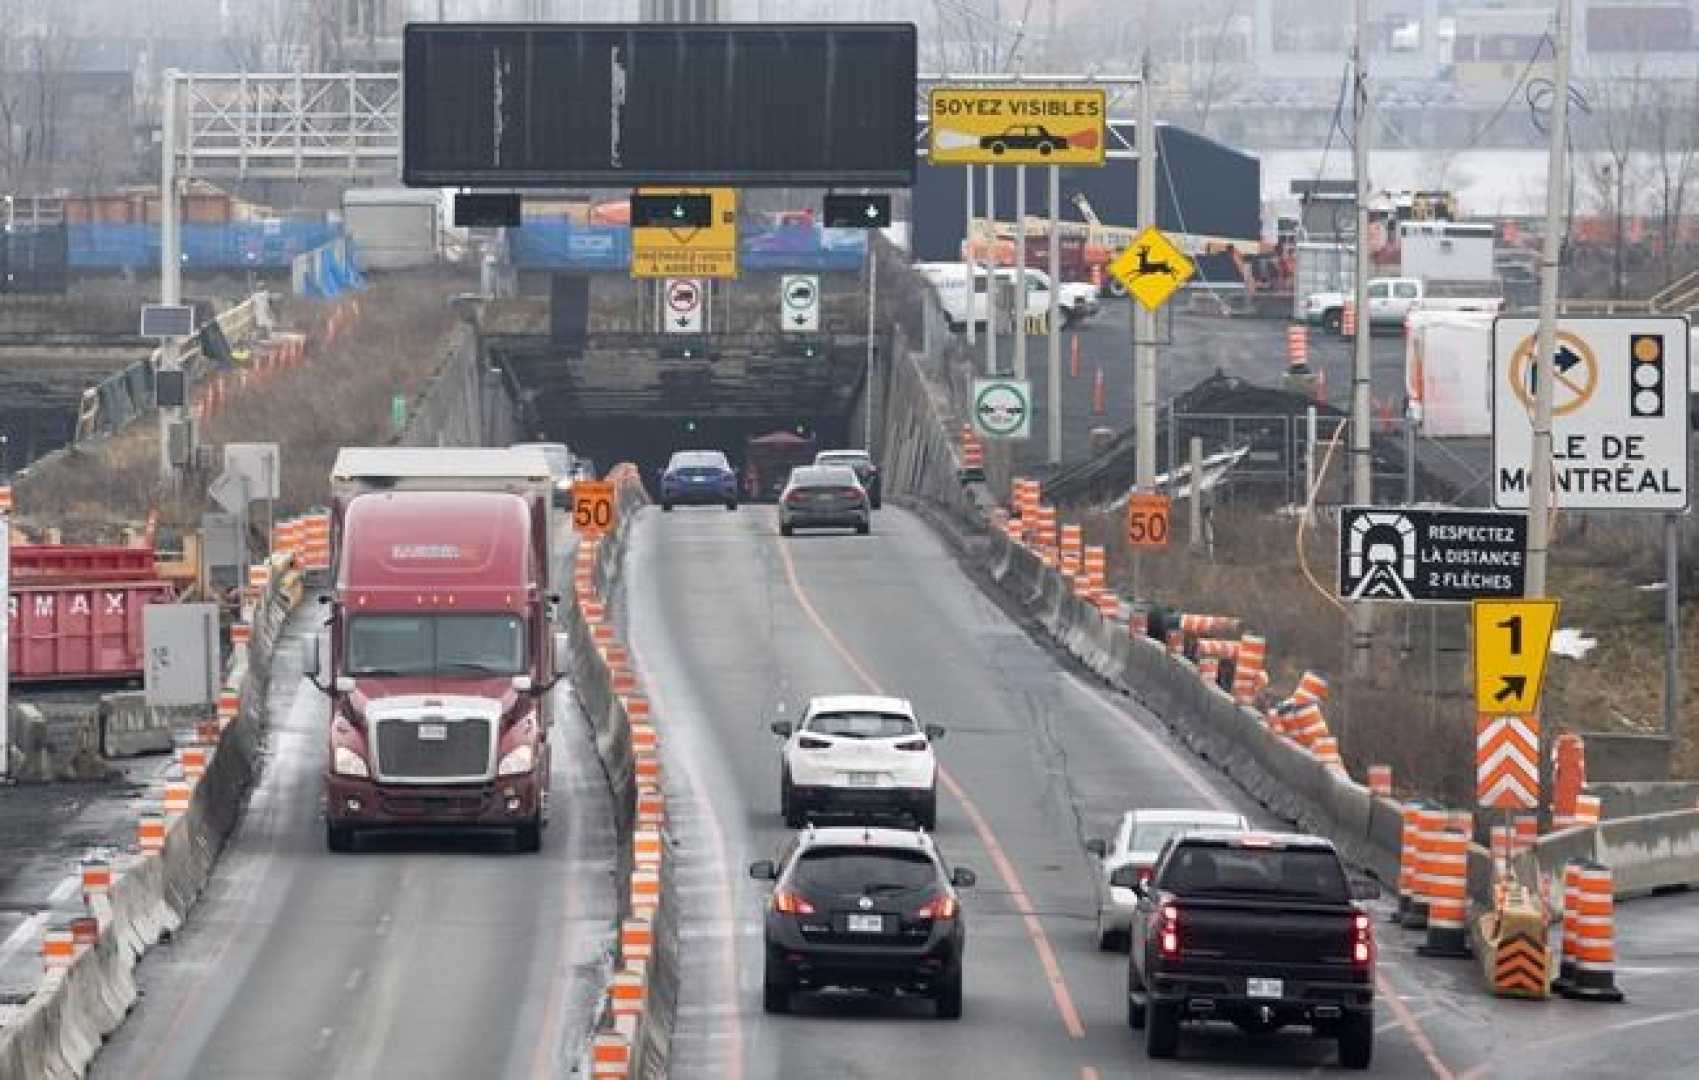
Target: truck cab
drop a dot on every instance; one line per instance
(441, 654)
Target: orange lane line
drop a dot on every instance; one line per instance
(1407, 1020)
(1005, 866)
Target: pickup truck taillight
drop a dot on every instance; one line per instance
(1362, 942)
(1168, 931)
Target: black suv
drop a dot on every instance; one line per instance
(1257, 929)
(865, 909)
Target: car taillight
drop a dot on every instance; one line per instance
(1362, 942)
(942, 906)
(813, 744)
(917, 744)
(1168, 935)
(786, 901)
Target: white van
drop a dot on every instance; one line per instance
(950, 280)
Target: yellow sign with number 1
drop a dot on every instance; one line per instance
(1512, 640)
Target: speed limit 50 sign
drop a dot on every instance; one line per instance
(593, 507)
(1147, 520)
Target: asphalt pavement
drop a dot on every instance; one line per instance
(728, 622)
(421, 957)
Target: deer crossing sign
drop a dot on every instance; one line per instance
(1152, 268)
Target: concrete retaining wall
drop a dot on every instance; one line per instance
(1620, 800)
(464, 404)
(59, 1030)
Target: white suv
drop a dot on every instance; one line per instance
(860, 755)
(1126, 861)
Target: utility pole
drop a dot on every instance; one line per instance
(872, 347)
(1144, 321)
(1020, 272)
(1545, 343)
(990, 274)
(970, 264)
(170, 265)
(1054, 316)
(1362, 493)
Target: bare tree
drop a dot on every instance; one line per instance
(12, 49)
(274, 37)
(1618, 104)
(1674, 130)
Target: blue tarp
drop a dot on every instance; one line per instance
(559, 245)
(230, 246)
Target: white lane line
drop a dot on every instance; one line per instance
(23, 934)
(65, 888)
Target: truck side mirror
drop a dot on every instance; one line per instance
(934, 732)
(1097, 847)
(781, 728)
(763, 870)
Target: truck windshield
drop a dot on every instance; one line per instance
(436, 645)
(1304, 874)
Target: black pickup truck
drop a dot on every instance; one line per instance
(1257, 929)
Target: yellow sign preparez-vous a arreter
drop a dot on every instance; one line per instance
(689, 252)
(1016, 126)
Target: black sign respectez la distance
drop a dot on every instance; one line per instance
(1398, 554)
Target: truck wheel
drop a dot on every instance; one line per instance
(1162, 1029)
(1333, 321)
(948, 998)
(528, 837)
(338, 837)
(1110, 940)
(666, 508)
(786, 530)
(775, 990)
(731, 504)
(1357, 1040)
(863, 529)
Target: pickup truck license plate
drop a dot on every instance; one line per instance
(1265, 988)
(866, 924)
(433, 732)
(863, 779)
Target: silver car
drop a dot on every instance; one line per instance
(1127, 860)
(824, 496)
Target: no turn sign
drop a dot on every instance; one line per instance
(683, 309)
(799, 303)
(1002, 408)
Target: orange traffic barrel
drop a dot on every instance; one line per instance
(96, 877)
(58, 947)
(1297, 346)
(1326, 750)
(636, 707)
(177, 794)
(1430, 822)
(150, 832)
(645, 890)
(651, 807)
(636, 941)
(628, 991)
(1588, 971)
(1447, 891)
(1408, 814)
(1311, 687)
(1380, 780)
(610, 1056)
(646, 847)
(1525, 833)
(85, 933)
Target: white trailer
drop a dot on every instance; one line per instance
(396, 228)
(1448, 372)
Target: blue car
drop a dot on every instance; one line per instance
(699, 477)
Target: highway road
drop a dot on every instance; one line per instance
(421, 957)
(729, 622)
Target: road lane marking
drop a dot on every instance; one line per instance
(65, 888)
(988, 839)
(1413, 1028)
(1174, 759)
(21, 935)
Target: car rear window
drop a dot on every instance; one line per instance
(862, 725)
(699, 459)
(845, 870)
(1151, 835)
(823, 476)
(1306, 874)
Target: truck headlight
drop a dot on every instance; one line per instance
(517, 762)
(345, 762)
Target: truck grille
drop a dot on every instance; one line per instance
(462, 754)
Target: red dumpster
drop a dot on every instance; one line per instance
(76, 612)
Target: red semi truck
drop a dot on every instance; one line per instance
(441, 643)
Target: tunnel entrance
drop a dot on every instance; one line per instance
(648, 441)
